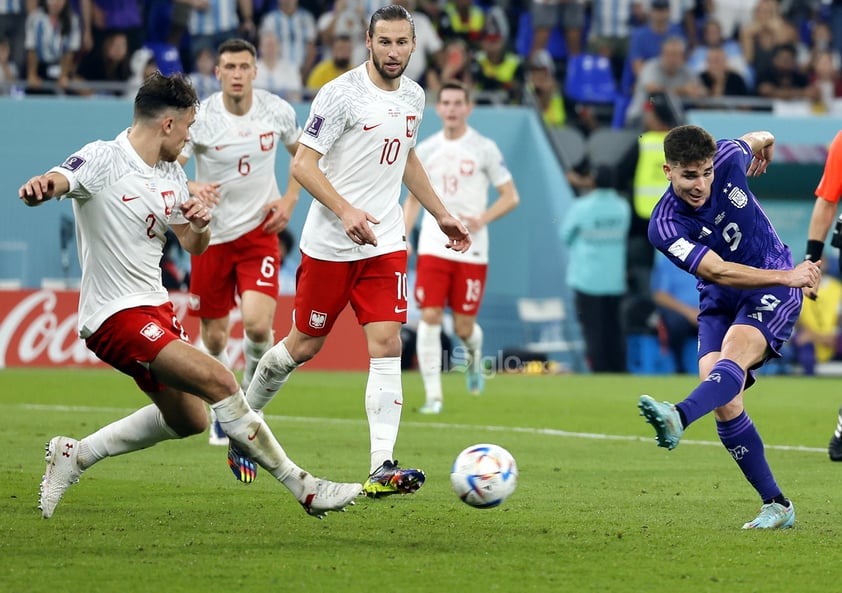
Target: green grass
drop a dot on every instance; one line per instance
(598, 506)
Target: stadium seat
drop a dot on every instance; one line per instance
(166, 57)
(569, 144)
(543, 323)
(590, 79)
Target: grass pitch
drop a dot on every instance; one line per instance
(598, 506)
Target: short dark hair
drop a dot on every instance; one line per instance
(688, 144)
(236, 45)
(159, 93)
(454, 85)
(392, 12)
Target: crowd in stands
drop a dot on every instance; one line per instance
(584, 62)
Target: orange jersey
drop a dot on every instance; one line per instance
(830, 186)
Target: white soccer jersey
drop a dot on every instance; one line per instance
(365, 135)
(239, 152)
(123, 208)
(460, 171)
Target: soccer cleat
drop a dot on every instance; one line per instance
(330, 496)
(62, 472)
(773, 516)
(391, 479)
(217, 436)
(475, 381)
(834, 449)
(665, 418)
(243, 468)
(433, 407)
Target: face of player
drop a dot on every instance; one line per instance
(390, 49)
(177, 127)
(236, 72)
(453, 108)
(691, 182)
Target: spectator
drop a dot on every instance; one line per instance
(733, 15)
(595, 229)
(53, 36)
(712, 37)
(349, 19)
(826, 82)
(8, 68)
(338, 63)
(612, 22)
(646, 41)
(495, 69)
(548, 14)
(456, 65)
(542, 82)
(111, 65)
(718, 77)
(817, 330)
(203, 77)
(677, 302)
(784, 80)
(113, 16)
(214, 21)
(275, 73)
(760, 36)
(462, 19)
(428, 44)
(295, 29)
(667, 73)
(13, 28)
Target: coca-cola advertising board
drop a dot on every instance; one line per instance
(38, 329)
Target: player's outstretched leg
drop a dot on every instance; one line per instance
(389, 478)
(62, 472)
(773, 516)
(664, 418)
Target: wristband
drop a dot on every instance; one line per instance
(199, 230)
(814, 250)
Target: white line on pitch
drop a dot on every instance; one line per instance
(444, 425)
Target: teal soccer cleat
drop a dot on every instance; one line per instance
(665, 418)
(773, 516)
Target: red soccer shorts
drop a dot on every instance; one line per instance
(440, 282)
(225, 270)
(132, 338)
(375, 287)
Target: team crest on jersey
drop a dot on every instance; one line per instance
(314, 126)
(411, 125)
(317, 319)
(151, 331)
(466, 167)
(72, 163)
(267, 141)
(738, 197)
(169, 201)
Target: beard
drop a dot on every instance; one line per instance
(342, 63)
(385, 73)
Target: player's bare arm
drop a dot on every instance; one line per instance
(713, 268)
(505, 203)
(44, 187)
(762, 146)
(418, 182)
(194, 236)
(279, 211)
(356, 222)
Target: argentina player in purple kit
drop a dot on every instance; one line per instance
(710, 224)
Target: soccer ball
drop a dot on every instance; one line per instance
(484, 475)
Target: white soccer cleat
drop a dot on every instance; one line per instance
(433, 407)
(330, 496)
(62, 472)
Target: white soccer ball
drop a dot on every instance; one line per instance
(484, 475)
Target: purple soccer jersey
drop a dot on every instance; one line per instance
(733, 225)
